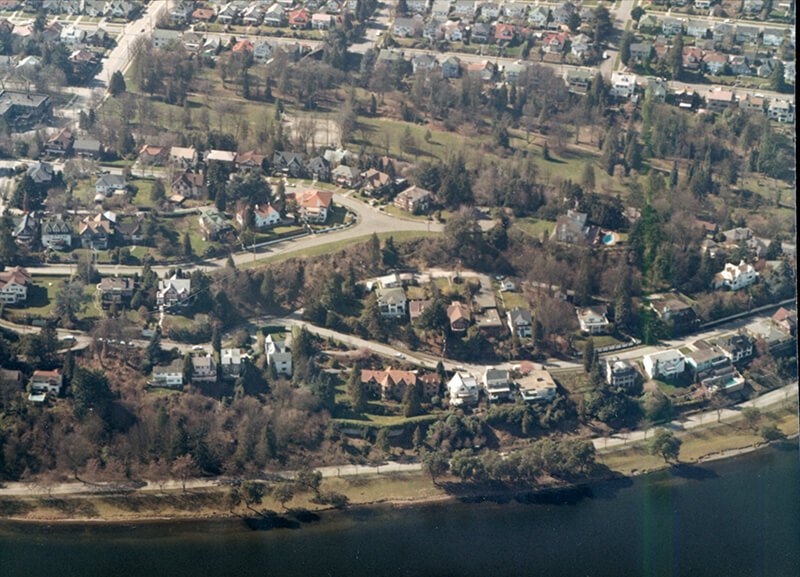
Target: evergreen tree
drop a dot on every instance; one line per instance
(625, 47)
(390, 256)
(187, 245)
(117, 84)
(412, 404)
(188, 368)
(777, 82)
(8, 248)
(355, 390)
(374, 255)
(588, 355)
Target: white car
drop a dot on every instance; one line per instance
(67, 338)
(197, 348)
(400, 355)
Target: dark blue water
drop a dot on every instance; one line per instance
(738, 517)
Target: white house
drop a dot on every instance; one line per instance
(279, 355)
(173, 291)
(538, 385)
(14, 285)
(496, 384)
(56, 234)
(163, 37)
(623, 85)
(520, 322)
(231, 362)
(735, 277)
(392, 302)
(72, 35)
(47, 382)
(463, 389)
(664, 364)
(108, 183)
(592, 321)
(204, 369)
(264, 216)
(169, 376)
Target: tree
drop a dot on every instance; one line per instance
(117, 84)
(587, 178)
(623, 313)
(637, 13)
(776, 79)
(412, 404)
(188, 368)
(382, 441)
(435, 464)
(676, 57)
(625, 47)
(374, 252)
(771, 432)
(252, 493)
(90, 391)
(283, 493)
(601, 22)
(665, 444)
(417, 438)
(186, 247)
(184, 467)
(8, 248)
(588, 355)
(751, 416)
(355, 390)
(157, 191)
(390, 256)
(466, 465)
(70, 300)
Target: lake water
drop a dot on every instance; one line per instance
(738, 517)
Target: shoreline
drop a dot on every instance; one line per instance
(389, 502)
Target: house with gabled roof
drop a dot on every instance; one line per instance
(173, 291)
(14, 285)
(314, 205)
(189, 184)
(291, 163)
(56, 233)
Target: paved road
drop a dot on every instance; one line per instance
(767, 401)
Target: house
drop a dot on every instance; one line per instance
(692, 57)
(168, 376)
(290, 163)
(115, 290)
(163, 37)
(504, 33)
(671, 26)
(173, 291)
(514, 9)
(465, 8)
(459, 316)
(299, 19)
(496, 384)
(314, 205)
(417, 6)
(223, 156)
(122, 9)
(772, 36)
(592, 320)
(746, 34)
(279, 354)
(672, 310)
(204, 369)
(153, 155)
(47, 382)
(737, 235)
(641, 51)
(106, 184)
(554, 43)
(578, 80)
(406, 27)
(415, 200)
(463, 390)
(752, 6)
(392, 302)
(520, 322)
(489, 10)
(183, 157)
(786, 320)
(702, 4)
(539, 16)
(230, 363)
(87, 148)
(736, 347)
(665, 364)
(580, 45)
(14, 285)
(620, 373)
(26, 229)
(715, 62)
(719, 99)
(739, 66)
(322, 21)
(253, 15)
(188, 184)
(572, 228)
(416, 307)
(275, 15)
(722, 32)
(656, 90)
(451, 67)
(734, 277)
(705, 357)
(96, 232)
(59, 143)
(264, 216)
(562, 13)
(391, 56)
(697, 28)
(623, 86)
(180, 13)
(56, 234)
(249, 160)
(537, 385)
(319, 168)
(348, 176)
(227, 14)
(781, 111)
(648, 22)
(41, 172)
(423, 62)
(484, 70)
(752, 104)
(202, 15)
(512, 71)
(454, 31)
(212, 224)
(480, 34)
(130, 230)
(376, 182)
(389, 384)
(430, 383)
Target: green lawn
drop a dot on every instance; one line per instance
(144, 186)
(377, 133)
(534, 226)
(515, 299)
(42, 296)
